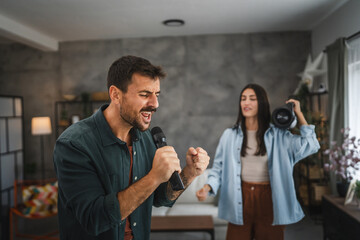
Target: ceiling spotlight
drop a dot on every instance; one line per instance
(174, 22)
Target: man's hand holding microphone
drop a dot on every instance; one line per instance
(166, 164)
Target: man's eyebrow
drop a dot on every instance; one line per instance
(147, 91)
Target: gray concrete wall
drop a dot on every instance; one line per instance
(34, 75)
(342, 23)
(199, 97)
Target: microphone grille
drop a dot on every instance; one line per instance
(156, 130)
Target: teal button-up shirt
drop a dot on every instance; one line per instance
(92, 166)
(284, 150)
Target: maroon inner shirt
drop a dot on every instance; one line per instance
(128, 232)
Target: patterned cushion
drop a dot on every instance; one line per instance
(40, 200)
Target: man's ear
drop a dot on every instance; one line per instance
(115, 94)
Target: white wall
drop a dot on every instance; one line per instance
(342, 23)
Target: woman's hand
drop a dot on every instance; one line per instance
(300, 116)
(202, 193)
(297, 108)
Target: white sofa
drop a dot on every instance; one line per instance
(188, 204)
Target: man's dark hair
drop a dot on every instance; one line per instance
(122, 70)
(263, 116)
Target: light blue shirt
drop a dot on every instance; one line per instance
(284, 150)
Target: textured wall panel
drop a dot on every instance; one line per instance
(199, 98)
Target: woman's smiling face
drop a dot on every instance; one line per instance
(249, 103)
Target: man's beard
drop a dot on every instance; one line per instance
(134, 119)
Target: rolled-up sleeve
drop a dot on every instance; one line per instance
(82, 190)
(214, 177)
(305, 144)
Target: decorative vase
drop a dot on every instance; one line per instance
(342, 188)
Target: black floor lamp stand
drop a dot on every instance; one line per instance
(42, 157)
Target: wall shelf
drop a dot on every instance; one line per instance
(65, 111)
(312, 181)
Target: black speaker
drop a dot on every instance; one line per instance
(284, 116)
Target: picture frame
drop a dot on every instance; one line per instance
(350, 192)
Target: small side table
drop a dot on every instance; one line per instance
(183, 224)
(339, 221)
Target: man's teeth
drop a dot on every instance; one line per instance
(146, 114)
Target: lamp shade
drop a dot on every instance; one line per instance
(40, 126)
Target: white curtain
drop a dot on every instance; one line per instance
(353, 89)
(354, 86)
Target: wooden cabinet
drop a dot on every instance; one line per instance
(340, 222)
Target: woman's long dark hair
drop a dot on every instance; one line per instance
(263, 116)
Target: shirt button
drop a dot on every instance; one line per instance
(135, 177)
(134, 152)
(134, 224)
(239, 203)
(252, 188)
(238, 149)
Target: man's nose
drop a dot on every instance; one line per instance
(153, 101)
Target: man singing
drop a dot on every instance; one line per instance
(109, 170)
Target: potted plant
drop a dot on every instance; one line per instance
(343, 160)
(64, 118)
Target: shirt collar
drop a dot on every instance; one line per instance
(106, 135)
(239, 131)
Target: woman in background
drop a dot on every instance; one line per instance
(253, 165)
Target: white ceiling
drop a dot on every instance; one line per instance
(44, 23)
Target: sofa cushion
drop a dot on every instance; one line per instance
(39, 200)
(187, 209)
(159, 211)
(189, 195)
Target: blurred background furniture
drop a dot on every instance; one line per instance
(66, 110)
(41, 126)
(339, 221)
(188, 204)
(33, 200)
(183, 224)
(11, 154)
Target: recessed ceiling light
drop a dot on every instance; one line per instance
(174, 22)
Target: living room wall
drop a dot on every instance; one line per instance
(199, 97)
(344, 22)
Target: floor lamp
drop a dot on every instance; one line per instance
(41, 126)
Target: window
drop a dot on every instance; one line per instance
(353, 87)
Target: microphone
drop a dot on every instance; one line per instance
(160, 141)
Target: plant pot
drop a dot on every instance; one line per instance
(342, 188)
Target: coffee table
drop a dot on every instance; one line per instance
(183, 224)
